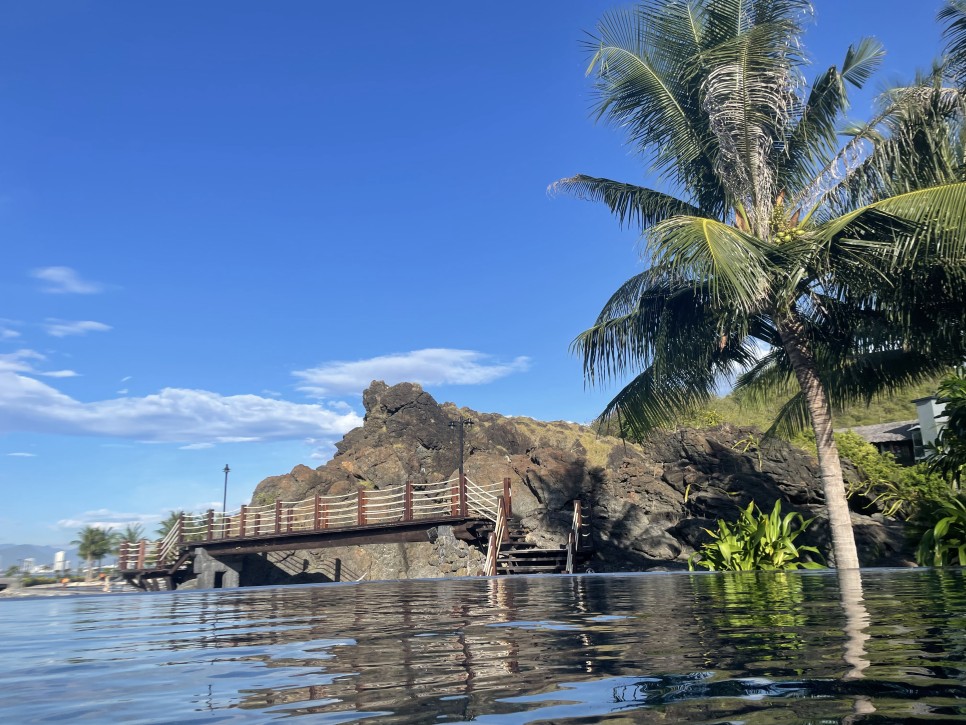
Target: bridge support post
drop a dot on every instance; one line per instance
(317, 517)
(210, 524)
(361, 506)
(181, 528)
(408, 502)
(142, 545)
(278, 516)
(217, 573)
(506, 496)
(462, 494)
(241, 521)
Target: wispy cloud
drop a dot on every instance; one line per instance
(197, 446)
(21, 361)
(64, 280)
(108, 519)
(7, 334)
(20, 454)
(63, 328)
(174, 415)
(434, 366)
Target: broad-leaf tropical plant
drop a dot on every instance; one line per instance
(773, 252)
(756, 541)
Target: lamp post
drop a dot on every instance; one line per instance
(461, 423)
(224, 497)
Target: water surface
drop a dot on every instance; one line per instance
(714, 648)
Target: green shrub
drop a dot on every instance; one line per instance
(756, 541)
(900, 490)
(941, 526)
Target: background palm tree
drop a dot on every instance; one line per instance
(821, 271)
(168, 523)
(131, 534)
(93, 544)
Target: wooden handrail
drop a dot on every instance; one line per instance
(573, 537)
(497, 537)
(398, 504)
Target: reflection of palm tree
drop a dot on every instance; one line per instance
(856, 621)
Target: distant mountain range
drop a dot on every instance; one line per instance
(12, 554)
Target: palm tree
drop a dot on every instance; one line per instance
(168, 523)
(94, 543)
(131, 534)
(774, 254)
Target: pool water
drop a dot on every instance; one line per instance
(806, 647)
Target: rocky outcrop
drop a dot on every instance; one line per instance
(649, 503)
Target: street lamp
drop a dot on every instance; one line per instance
(461, 424)
(224, 498)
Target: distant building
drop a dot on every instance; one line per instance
(907, 440)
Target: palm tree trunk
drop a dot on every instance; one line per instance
(792, 335)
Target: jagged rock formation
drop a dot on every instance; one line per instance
(649, 503)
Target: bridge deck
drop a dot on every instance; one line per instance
(401, 513)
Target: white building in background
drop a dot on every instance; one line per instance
(932, 419)
(60, 562)
(908, 440)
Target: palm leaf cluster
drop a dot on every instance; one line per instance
(866, 270)
(786, 249)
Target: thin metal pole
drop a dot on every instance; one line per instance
(224, 497)
(224, 503)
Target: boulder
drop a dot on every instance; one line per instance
(649, 504)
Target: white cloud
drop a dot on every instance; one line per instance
(63, 328)
(434, 366)
(125, 378)
(197, 446)
(20, 361)
(173, 415)
(7, 334)
(60, 374)
(64, 280)
(123, 391)
(107, 519)
(19, 454)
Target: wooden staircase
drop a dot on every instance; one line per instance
(509, 552)
(519, 556)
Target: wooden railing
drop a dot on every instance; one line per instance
(577, 537)
(456, 497)
(497, 537)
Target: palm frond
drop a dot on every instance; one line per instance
(631, 204)
(927, 226)
(736, 266)
(813, 141)
(646, 84)
(953, 16)
(748, 96)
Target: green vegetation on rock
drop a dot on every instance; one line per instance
(756, 541)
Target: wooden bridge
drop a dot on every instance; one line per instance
(393, 514)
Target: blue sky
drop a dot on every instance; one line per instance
(221, 220)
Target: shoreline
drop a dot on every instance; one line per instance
(72, 589)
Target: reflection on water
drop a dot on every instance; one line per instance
(804, 647)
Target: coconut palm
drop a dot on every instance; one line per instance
(169, 522)
(131, 534)
(774, 253)
(94, 543)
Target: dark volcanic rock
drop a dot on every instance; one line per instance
(649, 503)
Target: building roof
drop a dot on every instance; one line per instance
(893, 432)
